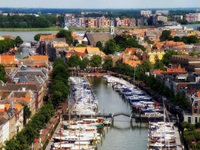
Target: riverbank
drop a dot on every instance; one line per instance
(31, 29)
(72, 29)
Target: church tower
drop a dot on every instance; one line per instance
(112, 28)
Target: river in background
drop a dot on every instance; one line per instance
(25, 35)
(122, 135)
(194, 26)
(29, 35)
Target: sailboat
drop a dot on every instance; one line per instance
(162, 134)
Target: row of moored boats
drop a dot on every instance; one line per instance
(161, 135)
(139, 101)
(77, 134)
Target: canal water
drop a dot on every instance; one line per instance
(123, 135)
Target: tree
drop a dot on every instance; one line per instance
(184, 39)
(60, 70)
(37, 37)
(65, 34)
(167, 56)
(84, 63)
(165, 35)
(99, 45)
(150, 42)
(95, 61)
(81, 45)
(146, 65)
(75, 42)
(2, 73)
(74, 61)
(14, 144)
(108, 63)
(26, 114)
(59, 92)
(177, 39)
(18, 40)
(160, 22)
(192, 39)
(194, 53)
(159, 65)
(110, 47)
(183, 21)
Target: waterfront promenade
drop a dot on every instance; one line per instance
(43, 140)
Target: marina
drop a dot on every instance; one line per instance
(91, 121)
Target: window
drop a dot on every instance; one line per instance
(195, 104)
(196, 120)
(189, 119)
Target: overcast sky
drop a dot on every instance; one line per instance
(100, 3)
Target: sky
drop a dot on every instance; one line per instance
(100, 3)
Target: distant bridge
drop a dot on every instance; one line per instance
(113, 115)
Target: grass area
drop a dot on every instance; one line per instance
(30, 29)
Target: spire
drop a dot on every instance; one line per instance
(112, 28)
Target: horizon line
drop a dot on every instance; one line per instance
(102, 8)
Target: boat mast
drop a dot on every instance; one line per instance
(60, 130)
(164, 122)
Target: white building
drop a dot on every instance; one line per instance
(162, 18)
(193, 17)
(4, 130)
(162, 12)
(146, 13)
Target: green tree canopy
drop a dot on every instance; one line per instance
(2, 73)
(166, 35)
(59, 92)
(95, 61)
(99, 45)
(192, 39)
(6, 44)
(108, 63)
(167, 56)
(37, 36)
(75, 42)
(177, 39)
(159, 65)
(110, 47)
(65, 34)
(74, 61)
(18, 40)
(84, 63)
(26, 114)
(81, 45)
(60, 70)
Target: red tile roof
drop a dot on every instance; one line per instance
(7, 59)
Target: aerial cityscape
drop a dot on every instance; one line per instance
(100, 75)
